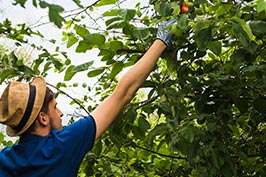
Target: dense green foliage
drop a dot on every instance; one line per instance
(201, 112)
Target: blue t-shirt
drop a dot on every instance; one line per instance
(58, 154)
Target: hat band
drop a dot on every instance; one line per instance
(28, 110)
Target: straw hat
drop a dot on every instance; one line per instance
(20, 104)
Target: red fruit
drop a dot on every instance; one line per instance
(184, 8)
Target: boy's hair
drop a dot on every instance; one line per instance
(49, 96)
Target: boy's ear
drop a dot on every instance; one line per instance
(43, 119)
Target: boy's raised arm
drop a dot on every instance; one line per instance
(107, 111)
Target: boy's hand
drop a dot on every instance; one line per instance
(164, 31)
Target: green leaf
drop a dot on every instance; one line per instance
(97, 148)
(239, 33)
(128, 28)
(47, 67)
(141, 33)
(214, 160)
(113, 12)
(258, 27)
(54, 15)
(131, 115)
(107, 54)
(261, 5)
(20, 2)
(82, 67)
(34, 3)
(95, 39)
(26, 69)
(69, 74)
(144, 125)
(95, 72)
(118, 66)
(165, 106)
(127, 14)
(43, 4)
(259, 105)
(182, 22)
(81, 30)
(6, 74)
(13, 57)
(115, 23)
(116, 139)
(83, 46)
(37, 64)
(245, 27)
(187, 133)
(171, 93)
(71, 41)
(78, 3)
(165, 9)
(116, 45)
(227, 171)
(112, 20)
(2, 137)
(238, 55)
(235, 130)
(242, 105)
(215, 47)
(106, 2)
(58, 65)
(201, 25)
(157, 130)
(252, 49)
(138, 132)
(203, 38)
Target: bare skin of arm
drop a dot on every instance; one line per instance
(128, 85)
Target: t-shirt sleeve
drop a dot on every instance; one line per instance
(77, 139)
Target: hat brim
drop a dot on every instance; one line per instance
(40, 85)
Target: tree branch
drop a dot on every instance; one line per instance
(158, 153)
(69, 97)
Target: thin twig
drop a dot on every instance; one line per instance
(69, 97)
(158, 153)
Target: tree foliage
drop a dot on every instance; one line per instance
(202, 110)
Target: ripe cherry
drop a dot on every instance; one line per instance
(184, 8)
